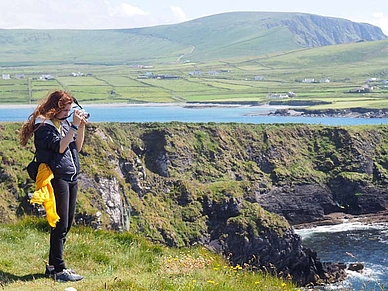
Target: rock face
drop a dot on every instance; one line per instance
(329, 30)
(272, 253)
(234, 188)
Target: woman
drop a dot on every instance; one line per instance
(57, 143)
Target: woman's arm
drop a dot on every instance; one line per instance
(78, 126)
(66, 140)
(79, 141)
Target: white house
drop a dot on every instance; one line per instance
(46, 77)
(6, 76)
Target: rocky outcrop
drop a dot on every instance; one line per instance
(250, 243)
(352, 112)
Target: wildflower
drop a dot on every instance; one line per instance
(211, 281)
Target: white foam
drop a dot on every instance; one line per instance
(365, 275)
(343, 227)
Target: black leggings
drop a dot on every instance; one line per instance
(65, 199)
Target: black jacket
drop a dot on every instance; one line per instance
(47, 138)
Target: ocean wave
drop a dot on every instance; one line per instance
(367, 279)
(343, 227)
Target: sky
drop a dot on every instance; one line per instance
(107, 14)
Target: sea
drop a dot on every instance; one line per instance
(347, 242)
(353, 242)
(168, 113)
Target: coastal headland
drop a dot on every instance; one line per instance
(223, 186)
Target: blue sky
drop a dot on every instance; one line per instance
(105, 14)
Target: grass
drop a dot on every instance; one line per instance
(348, 66)
(119, 261)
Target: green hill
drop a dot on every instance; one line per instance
(239, 57)
(222, 36)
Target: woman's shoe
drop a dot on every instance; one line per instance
(67, 275)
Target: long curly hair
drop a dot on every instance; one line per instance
(47, 109)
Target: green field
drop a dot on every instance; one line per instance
(347, 67)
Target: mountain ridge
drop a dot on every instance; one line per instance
(220, 36)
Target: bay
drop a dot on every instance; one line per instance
(160, 113)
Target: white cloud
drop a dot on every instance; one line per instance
(72, 14)
(132, 10)
(178, 13)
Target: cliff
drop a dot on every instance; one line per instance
(235, 188)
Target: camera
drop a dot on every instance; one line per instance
(84, 113)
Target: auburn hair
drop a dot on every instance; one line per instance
(47, 109)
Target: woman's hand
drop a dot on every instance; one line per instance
(79, 118)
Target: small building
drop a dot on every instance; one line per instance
(6, 76)
(149, 75)
(167, 76)
(281, 95)
(144, 67)
(278, 95)
(195, 73)
(308, 80)
(46, 77)
(362, 89)
(20, 76)
(79, 74)
(258, 78)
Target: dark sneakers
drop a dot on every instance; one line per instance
(67, 275)
(64, 276)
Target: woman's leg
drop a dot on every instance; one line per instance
(73, 190)
(58, 234)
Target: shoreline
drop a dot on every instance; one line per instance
(337, 218)
(183, 105)
(272, 110)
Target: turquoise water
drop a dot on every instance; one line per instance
(177, 113)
